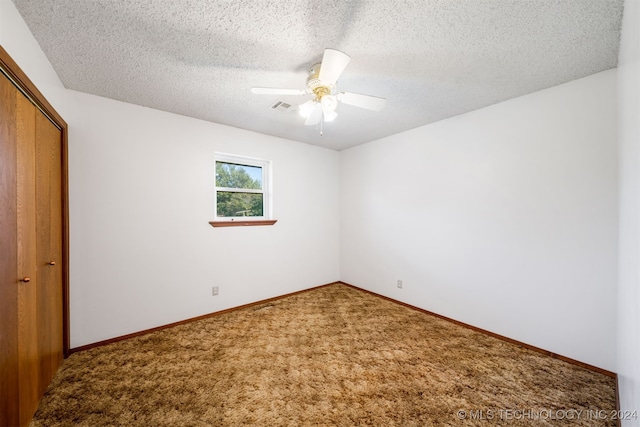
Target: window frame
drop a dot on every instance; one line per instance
(266, 191)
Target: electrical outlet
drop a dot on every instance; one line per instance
(214, 291)
(400, 284)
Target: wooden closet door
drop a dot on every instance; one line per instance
(49, 247)
(28, 345)
(39, 249)
(9, 410)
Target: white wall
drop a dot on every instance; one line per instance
(141, 195)
(629, 276)
(504, 218)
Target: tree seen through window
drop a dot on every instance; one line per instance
(235, 183)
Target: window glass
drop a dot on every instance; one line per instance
(230, 175)
(239, 204)
(242, 187)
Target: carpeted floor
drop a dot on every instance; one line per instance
(331, 356)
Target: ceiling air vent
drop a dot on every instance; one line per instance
(281, 106)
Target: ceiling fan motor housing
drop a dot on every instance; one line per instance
(315, 85)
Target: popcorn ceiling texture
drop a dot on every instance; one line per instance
(431, 59)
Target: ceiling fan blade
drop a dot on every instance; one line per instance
(315, 116)
(333, 64)
(277, 91)
(373, 103)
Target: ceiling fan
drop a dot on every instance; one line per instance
(321, 83)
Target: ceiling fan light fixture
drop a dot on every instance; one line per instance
(306, 108)
(329, 103)
(315, 116)
(329, 116)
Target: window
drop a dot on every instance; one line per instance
(242, 194)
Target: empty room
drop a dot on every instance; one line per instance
(281, 213)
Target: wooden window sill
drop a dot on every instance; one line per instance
(242, 223)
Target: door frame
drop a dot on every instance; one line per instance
(10, 69)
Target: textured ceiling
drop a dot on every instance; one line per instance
(431, 59)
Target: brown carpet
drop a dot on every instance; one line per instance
(331, 356)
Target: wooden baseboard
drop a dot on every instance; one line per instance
(493, 334)
(192, 319)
